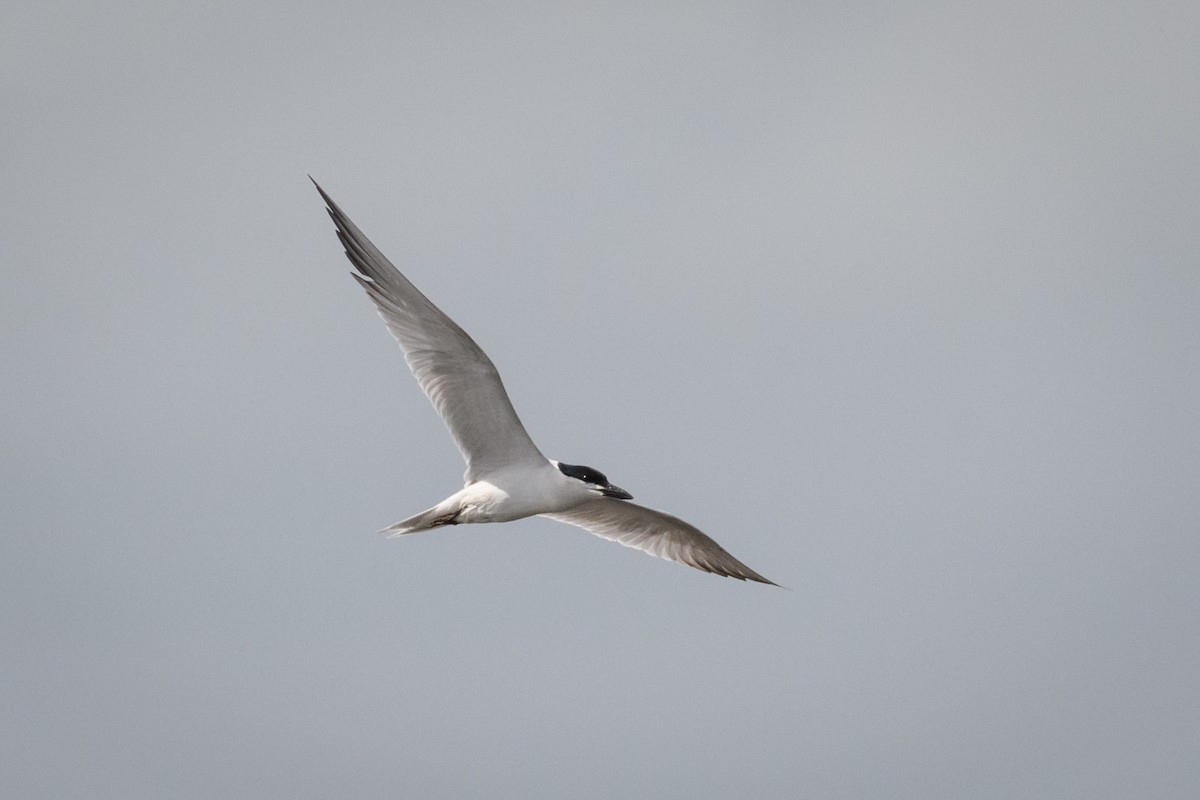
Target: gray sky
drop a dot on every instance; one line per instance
(898, 302)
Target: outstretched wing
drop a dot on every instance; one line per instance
(457, 376)
(658, 534)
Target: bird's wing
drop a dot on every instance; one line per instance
(656, 533)
(460, 380)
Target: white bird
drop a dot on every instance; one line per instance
(507, 477)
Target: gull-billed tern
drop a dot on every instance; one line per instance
(507, 477)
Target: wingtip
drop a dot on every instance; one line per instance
(751, 576)
(328, 200)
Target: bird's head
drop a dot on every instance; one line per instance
(594, 480)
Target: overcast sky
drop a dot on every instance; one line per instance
(899, 302)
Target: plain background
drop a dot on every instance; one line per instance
(898, 301)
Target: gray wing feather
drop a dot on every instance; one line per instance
(454, 372)
(658, 534)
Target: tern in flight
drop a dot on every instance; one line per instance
(507, 477)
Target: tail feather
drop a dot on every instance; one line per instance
(426, 520)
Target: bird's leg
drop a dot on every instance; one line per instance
(450, 518)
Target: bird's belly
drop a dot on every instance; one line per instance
(484, 501)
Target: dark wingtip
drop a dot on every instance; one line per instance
(751, 575)
(328, 200)
(761, 579)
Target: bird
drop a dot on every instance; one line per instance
(507, 477)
